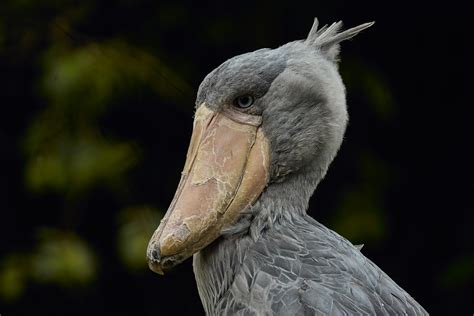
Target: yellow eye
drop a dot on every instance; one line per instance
(244, 101)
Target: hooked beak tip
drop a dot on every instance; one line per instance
(159, 263)
(155, 267)
(154, 259)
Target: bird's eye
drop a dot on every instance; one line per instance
(244, 101)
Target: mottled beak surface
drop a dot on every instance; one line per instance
(226, 170)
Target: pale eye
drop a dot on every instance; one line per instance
(244, 101)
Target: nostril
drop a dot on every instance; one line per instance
(156, 254)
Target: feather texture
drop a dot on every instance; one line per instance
(296, 268)
(327, 39)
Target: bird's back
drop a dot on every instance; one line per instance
(307, 269)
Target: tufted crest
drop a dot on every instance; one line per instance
(327, 38)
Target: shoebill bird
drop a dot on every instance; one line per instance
(267, 125)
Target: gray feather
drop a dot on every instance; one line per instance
(313, 33)
(327, 39)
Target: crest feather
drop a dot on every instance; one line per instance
(327, 38)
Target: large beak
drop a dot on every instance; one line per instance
(226, 170)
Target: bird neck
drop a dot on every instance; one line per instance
(280, 202)
(217, 266)
(279, 207)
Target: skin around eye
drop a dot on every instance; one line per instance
(244, 101)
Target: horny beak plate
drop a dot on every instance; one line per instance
(226, 170)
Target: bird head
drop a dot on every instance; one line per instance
(261, 117)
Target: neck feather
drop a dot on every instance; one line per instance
(281, 204)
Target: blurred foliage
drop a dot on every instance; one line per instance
(67, 151)
(459, 273)
(13, 275)
(359, 76)
(360, 215)
(64, 143)
(136, 225)
(74, 164)
(2, 34)
(60, 257)
(99, 73)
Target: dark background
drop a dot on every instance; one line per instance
(97, 102)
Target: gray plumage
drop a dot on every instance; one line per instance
(276, 260)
